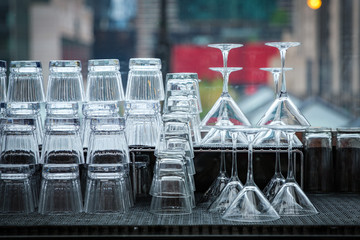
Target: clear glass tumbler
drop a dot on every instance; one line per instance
(26, 93)
(65, 88)
(145, 80)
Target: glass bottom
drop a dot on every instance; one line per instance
(250, 206)
(292, 201)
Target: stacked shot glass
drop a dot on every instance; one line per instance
(173, 185)
(182, 99)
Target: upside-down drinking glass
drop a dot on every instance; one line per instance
(25, 93)
(103, 93)
(65, 88)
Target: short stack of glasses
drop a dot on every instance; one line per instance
(84, 144)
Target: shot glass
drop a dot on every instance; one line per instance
(170, 190)
(181, 87)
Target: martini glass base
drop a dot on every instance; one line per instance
(226, 197)
(215, 189)
(273, 187)
(250, 206)
(292, 201)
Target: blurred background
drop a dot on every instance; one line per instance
(325, 82)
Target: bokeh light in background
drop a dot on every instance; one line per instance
(314, 4)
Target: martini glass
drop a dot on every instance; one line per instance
(236, 116)
(291, 200)
(283, 111)
(250, 205)
(234, 186)
(284, 115)
(278, 179)
(221, 180)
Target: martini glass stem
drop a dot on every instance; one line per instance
(277, 160)
(283, 82)
(222, 156)
(276, 83)
(234, 171)
(225, 54)
(226, 75)
(222, 164)
(290, 174)
(250, 172)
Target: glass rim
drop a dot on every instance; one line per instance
(25, 64)
(348, 130)
(56, 121)
(145, 63)
(318, 129)
(104, 65)
(65, 63)
(18, 124)
(182, 75)
(101, 123)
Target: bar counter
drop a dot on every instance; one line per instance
(339, 217)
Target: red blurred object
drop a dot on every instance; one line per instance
(252, 56)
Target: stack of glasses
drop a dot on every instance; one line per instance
(62, 150)
(108, 184)
(144, 92)
(173, 186)
(19, 158)
(21, 135)
(103, 93)
(182, 98)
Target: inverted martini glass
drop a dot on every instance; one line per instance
(273, 138)
(234, 186)
(250, 205)
(221, 180)
(290, 199)
(283, 115)
(283, 111)
(215, 115)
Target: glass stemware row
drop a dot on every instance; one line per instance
(281, 120)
